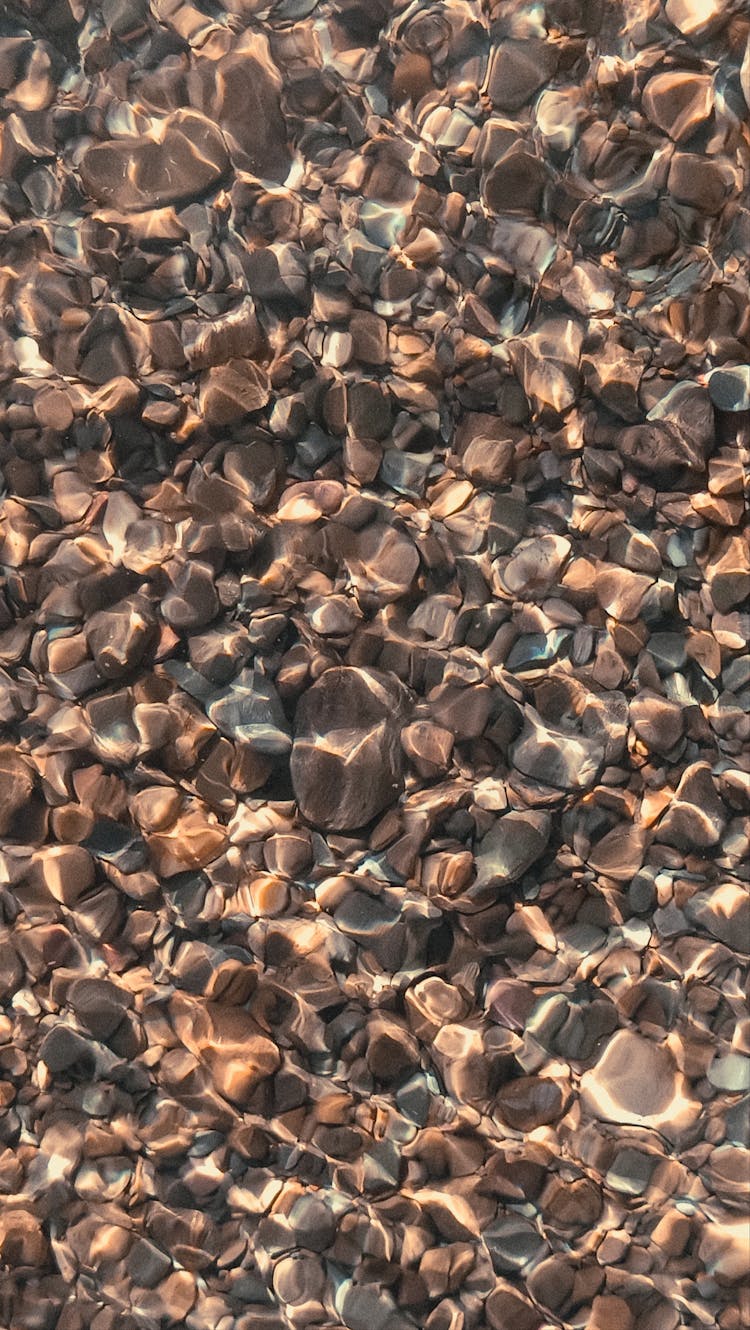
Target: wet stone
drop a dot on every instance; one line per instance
(729, 388)
(620, 853)
(119, 637)
(697, 816)
(374, 692)
(250, 113)
(529, 1103)
(250, 710)
(191, 601)
(233, 390)
(518, 69)
(186, 156)
(346, 761)
(16, 785)
(555, 757)
(637, 1081)
(62, 1050)
(510, 847)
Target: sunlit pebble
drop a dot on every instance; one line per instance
(371, 664)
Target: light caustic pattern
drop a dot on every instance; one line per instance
(374, 685)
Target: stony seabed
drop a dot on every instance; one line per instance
(374, 674)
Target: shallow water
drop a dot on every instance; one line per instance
(374, 766)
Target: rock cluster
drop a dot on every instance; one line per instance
(374, 686)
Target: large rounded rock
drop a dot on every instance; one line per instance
(347, 757)
(184, 158)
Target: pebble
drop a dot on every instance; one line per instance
(636, 1081)
(510, 847)
(373, 669)
(121, 173)
(346, 760)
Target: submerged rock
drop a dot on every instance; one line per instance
(347, 759)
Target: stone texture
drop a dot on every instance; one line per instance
(346, 759)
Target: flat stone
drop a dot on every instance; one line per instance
(530, 1102)
(229, 1042)
(346, 762)
(249, 109)
(508, 518)
(636, 1082)
(185, 157)
(630, 1172)
(518, 69)
(658, 722)
(730, 1073)
(729, 388)
(114, 843)
(67, 871)
(610, 1312)
(62, 1049)
(99, 1005)
(678, 102)
(191, 601)
(535, 566)
(723, 1247)
(724, 912)
(694, 18)
(383, 562)
(506, 1306)
(621, 592)
(620, 853)
(369, 337)
(516, 183)
(488, 461)
(698, 182)
(233, 390)
(659, 450)
(250, 710)
(16, 785)
(428, 747)
(697, 817)
(513, 1243)
(554, 757)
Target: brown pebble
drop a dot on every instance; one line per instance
(53, 410)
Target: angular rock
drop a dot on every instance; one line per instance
(699, 182)
(535, 566)
(678, 102)
(16, 785)
(99, 1005)
(518, 69)
(620, 853)
(191, 601)
(119, 637)
(729, 388)
(249, 710)
(659, 450)
(697, 817)
(67, 872)
(658, 722)
(385, 562)
(530, 1102)
(428, 747)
